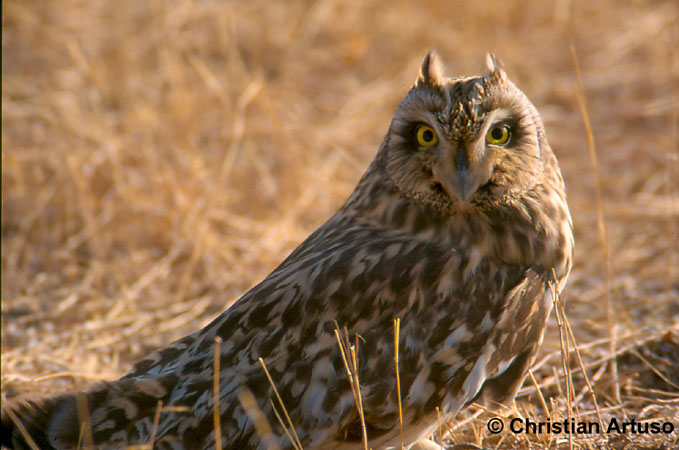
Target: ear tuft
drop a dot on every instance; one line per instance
(496, 71)
(431, 71)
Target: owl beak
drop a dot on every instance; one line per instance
(458, 185)
(455, 177)
(464, 185)
(458, 181)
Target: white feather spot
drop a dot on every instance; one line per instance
(421, 389)
(459, 335)
(477, 375)
(474, 260)
(503, 366)
(487, 323)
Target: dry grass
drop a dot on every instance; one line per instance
(158, 158)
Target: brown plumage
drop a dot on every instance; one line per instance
(457, 228)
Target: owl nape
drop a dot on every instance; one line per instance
(459, 228)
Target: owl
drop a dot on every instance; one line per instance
(459, 229)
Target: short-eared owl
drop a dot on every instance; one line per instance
(459, 228)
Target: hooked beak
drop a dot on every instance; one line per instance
(458, 186)
(456, 179)
(464, 185)
(463, 181)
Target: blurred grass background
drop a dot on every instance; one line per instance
(159, 158)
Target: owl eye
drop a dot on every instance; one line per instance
(426, 136)
(498, 135)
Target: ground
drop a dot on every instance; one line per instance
(159, 158)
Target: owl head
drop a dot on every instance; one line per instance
(459, 144)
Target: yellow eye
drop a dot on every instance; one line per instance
(498, 135)
(426, 136)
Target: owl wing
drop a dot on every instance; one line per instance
(460, 326)
(462, 322)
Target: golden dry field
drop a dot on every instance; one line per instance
(161, 157)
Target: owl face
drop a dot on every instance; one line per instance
(464, 143)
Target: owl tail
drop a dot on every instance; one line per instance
(35, 418)
(121, 412)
